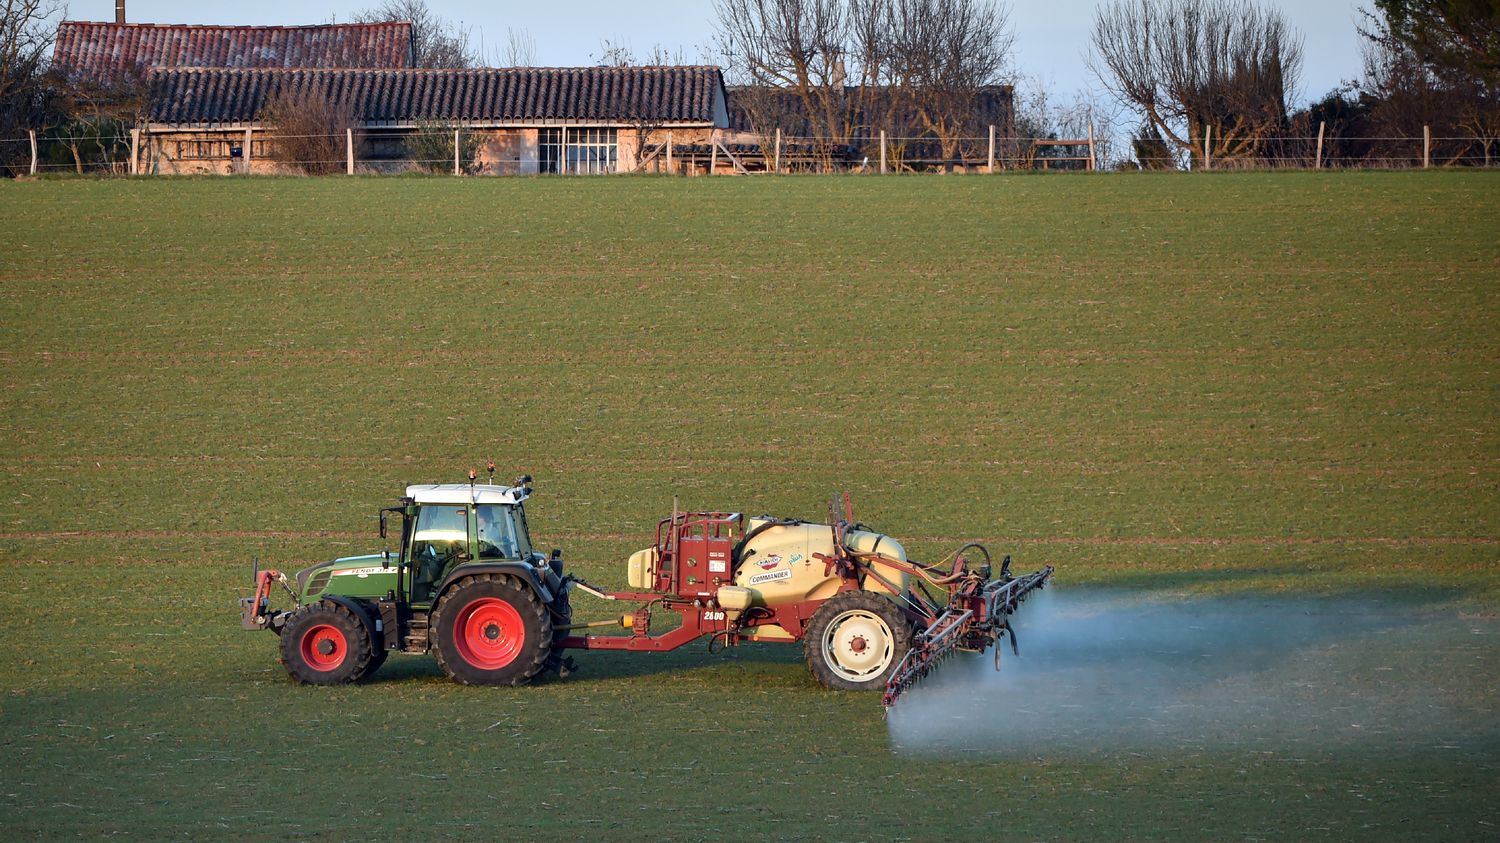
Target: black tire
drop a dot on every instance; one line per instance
(561, 610)
(492, 630)
(376, 660)
(562, 616)
(855, 641)
(325, 643)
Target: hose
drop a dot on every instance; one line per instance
(750, 536)
(723, 633)
(959, 570)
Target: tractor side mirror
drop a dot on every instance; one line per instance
(382, 523)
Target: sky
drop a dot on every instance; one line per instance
(1051, 37)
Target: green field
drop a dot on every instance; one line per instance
(1227, 384)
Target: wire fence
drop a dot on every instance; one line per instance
(591, 150)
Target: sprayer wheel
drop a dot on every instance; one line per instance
(855, 641)
(327, 644)
(492, 630)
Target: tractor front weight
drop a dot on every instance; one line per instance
(255, 611)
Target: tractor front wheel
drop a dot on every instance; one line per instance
(492, 630)
(327, 644)
(855, 641)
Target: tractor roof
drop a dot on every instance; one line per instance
(466, 493)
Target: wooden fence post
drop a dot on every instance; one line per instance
(249, 154)
(882, 152)
(991, 165)
(1318, 161)
(1208, 136)
(777, 166)
(1093, 150)
(1426, 147)
(135, 150)
(32, 133)
(455, 152)
(713, 150)
(349, 149)
(671, 168)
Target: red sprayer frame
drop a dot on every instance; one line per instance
(974, 615)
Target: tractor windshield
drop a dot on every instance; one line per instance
(499, 534)
(441, 540)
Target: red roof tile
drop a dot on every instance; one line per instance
(106, 47)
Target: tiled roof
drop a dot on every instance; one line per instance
(105, 47)
(475, 96)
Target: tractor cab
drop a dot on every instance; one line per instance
(450, 524)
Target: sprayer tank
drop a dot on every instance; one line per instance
(782, 564)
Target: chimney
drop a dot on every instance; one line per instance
(119, 11)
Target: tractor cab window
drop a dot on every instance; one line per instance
(499, 534)
(441, 539)
(523, 531)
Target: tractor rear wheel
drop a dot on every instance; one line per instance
(855, 641)
(492, 630)
(327, 644)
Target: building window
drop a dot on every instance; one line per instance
(201, 149)
(578, 151)
(205, 149)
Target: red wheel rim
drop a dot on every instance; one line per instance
(489, 633)
(324, 647)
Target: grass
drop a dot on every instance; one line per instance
(1219, 383)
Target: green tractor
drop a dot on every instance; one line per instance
(466, 584)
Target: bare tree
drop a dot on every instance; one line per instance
(764, 110)
(799, 45)
(435, 42)
(942, 53)
(619, 54)
(1041, 116)
(519, 49)
(92, 113)
(27, 30)
(851, 63)
(1034, 120)
(1195, 68)
(26, 34)
(311, 129)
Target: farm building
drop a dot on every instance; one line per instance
(103, 48)
(525, 120)
(206, 90)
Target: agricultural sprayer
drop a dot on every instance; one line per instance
(467, 585)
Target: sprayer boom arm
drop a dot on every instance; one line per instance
(974, 620)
